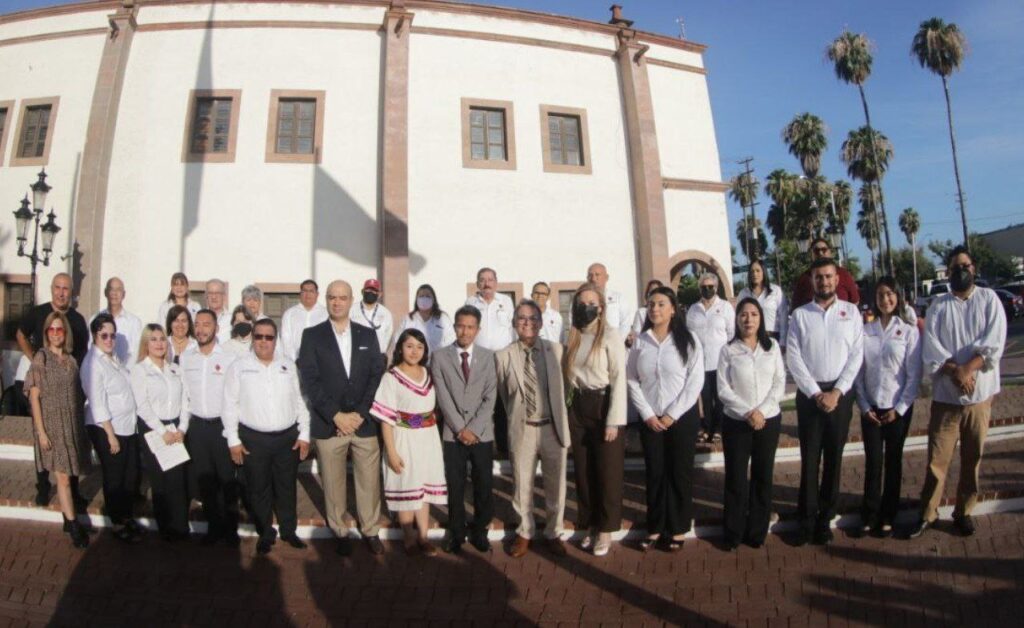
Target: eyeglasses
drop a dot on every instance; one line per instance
(55, 330)
(267, 337)
(541, 294)
(820, 249)
(527, 319)
(106, 335)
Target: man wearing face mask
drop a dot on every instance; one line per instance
(964, 338)
(300, 317)
(618, 314)
(713, 321)
(370, 313)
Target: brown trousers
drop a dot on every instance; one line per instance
(949, 423)
(598, 464)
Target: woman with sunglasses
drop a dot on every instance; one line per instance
(110, 420)
(56, 401)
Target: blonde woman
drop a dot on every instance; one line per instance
(156, 385)
(594, 369)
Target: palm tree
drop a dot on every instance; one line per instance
(940, 47)
(751, 237)
(805, 137)
(781, 187)
(743, 190)
(910, 224)
(867, 223)
(850, 54)
(867, 161)
(842, 197)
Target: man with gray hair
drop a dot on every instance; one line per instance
(713, 321)
(252, 299)
(129, 326)
(217, 302)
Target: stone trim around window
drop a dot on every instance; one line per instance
(187, 156)
(276, 95)
(5, 279)
(54, 102)
(545, 135)
(6, 131)
(509, 163)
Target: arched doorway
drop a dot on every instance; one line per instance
(687, 266)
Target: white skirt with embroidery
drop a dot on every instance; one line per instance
(422, 478)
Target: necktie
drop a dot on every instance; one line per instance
(465, 365)
(530, 374)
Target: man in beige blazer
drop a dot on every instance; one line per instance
(530, 386)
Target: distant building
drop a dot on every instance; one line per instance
(1008, 241)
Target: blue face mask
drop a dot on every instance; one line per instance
(424, 303)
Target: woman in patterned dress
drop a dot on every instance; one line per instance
(414, 467)
(55, 397)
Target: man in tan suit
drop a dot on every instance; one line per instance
(530, 386)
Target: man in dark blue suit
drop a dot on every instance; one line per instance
(340, 366)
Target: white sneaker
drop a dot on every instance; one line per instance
(602, 546)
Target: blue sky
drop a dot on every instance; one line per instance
(766, 63)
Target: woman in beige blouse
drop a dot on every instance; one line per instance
(594, 368)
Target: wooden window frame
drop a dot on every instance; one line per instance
(557, 288)
(6, 278)
(277, 288)
(503, 286)
(54, 103)
(545, 135)
(187, 156)
(271, 155)
(506, 106)
(6, 131)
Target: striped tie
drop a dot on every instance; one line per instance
(530, 374)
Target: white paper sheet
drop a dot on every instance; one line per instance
(168, 456)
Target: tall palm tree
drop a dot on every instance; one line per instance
(910, 224)
(781, 187)
(940, 47)
(867, 223)
(867, 161)
(805, 137)
(743, 190)
(850, 54)
(751, 237)
(842, 197)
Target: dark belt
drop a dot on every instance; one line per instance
(215, 419)
(277, 433)
(538, 423)
(827, 386)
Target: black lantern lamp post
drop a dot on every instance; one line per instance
(42, 235)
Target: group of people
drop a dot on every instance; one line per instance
(250, 399)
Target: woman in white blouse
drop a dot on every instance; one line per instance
(886, 389)
(428, 317)
(665, 375)
(156, 384)
(751, 382)
(594, 370)
(179, 295)
(110, 421)
(181, 331)
(770, 296)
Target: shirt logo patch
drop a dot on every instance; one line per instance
(284, 368)
(842, 313)
(899, 332)
(216, 367)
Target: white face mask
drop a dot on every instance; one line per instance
(424, 303)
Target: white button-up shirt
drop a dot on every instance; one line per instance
(166, 306)
(203, 378)
(638, 321)
(344, 340)
(551, 325)
(495, 322)
(714, 325)
(224, 326)
(960, 329)
(751, 380)
(659, 382)
(891, 374)
(157, 393)
(129, 332)
(617, 314)
(108, 391)
(439, 331)
(825, 346)
(376, 317)
(294, 321)
(264, 398)
(775, 308)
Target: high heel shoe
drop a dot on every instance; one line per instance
(79, 537)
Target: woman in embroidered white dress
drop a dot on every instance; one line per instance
(414, 465)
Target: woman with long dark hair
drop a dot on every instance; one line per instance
(429, 319)
(770, 297)
(665, 374)
(751, 382)
(181, 334)
(178, 295)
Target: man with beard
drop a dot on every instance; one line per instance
(825, 352)
(964, 337)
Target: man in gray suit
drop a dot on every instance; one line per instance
(465, 383)
(530, 386)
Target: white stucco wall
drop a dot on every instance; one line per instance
(698, 221)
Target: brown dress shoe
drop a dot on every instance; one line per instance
(519, 547)
(556, 547)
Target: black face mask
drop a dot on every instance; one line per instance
(707, 291)
(583, 315)
(370, 297)
(962, 279)
(241, 329)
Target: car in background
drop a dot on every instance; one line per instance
(938, 288)
(1013, 304)
(1016, 287)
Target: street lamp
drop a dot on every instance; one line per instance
(45, 232)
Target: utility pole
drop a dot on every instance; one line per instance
(748, 180)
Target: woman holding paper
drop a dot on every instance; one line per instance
(156, 384)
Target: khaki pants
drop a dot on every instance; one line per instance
(332, 456)
(539, 442)
(949, 423)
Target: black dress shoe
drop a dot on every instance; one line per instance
(294, 541)
(730, 544)
(822, 536)
(42, 495)
(918, 528)
(232, 539)
(752, 542)
(964, 525)
(453, 546)
(803, 537)
(263, 546)
(480, 542)
(343, 547)
(375, 545)
(209, 538)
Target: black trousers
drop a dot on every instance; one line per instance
(480, 458)
(598, 464)
(120, 473)
(271, 470)
(748, 500)
(883, 446)
(500, 427)
(668, 466)
(822, 439)
(711, 403)
(170, 487)
(212, 475)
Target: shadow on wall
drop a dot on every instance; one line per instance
(193, 182)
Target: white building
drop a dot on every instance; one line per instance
(269, 141)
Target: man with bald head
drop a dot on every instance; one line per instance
(217, 302)
(30, 337)
(129, 326)
(616, 313)
(340, 366)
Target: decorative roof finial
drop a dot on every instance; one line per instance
(617, 18)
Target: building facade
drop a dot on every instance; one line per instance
(269, 141)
